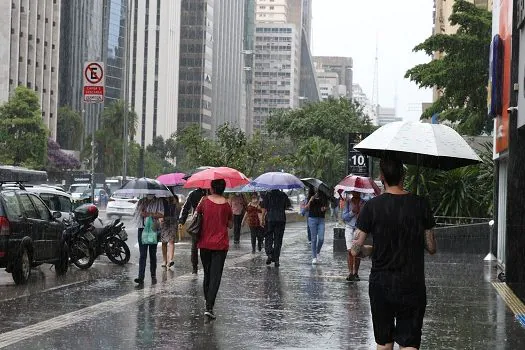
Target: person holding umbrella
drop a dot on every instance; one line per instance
(351, 211)
(274, 204)
(194, 197)
(401, 224)
(317, 206)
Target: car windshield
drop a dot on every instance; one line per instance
(78, 188)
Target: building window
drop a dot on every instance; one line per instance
(38, 17)
(12, 30)
(29, 84)
(22, 9)
(45, 43)
(52, 69)
(47, 20)
(53, 46)
(37, 64)
(20, 58)
(43, 114)
(30, 37)
(50, 115)
(38, 40)
(13, 6)
(10, 81)
(51, 92)
(29, 62)
(45, 66)
(21, 34)
(36, 87)
(54, 24)
(44, 90)
(272, 7)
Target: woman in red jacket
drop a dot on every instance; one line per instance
(214, 243)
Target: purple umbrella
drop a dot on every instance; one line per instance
(173, 179)
(278, 181)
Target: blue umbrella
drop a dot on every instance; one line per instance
(278, 181)
(246, 189)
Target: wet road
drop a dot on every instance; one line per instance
(258, 307)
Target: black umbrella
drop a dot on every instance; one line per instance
(143, 187)
(318, 185)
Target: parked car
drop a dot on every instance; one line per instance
(30, 234)
(56, 200)
(121, 206)
(77, 189)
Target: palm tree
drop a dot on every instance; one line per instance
(319, 158)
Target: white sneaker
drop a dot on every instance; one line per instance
(314, 261)
(318, 257)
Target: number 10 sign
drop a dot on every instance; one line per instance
(357, 163)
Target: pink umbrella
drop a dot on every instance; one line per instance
(358, 184)
(173, 179)
(203, 178)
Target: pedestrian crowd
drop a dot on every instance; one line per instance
(400, 223)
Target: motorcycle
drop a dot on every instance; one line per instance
(110, 241)
(79, 236)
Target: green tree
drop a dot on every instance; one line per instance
(70, 128)
(24, 135)
(320, 158)
(331, 119)
(462, 72)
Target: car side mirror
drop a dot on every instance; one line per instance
(57, 215)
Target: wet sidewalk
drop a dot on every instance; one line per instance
(296, 306)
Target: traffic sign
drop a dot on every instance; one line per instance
(357, 163)
(93, 74)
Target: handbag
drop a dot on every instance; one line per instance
(194, 228)
(149, 234)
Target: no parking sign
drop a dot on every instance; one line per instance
(93, 74)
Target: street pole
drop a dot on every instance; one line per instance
(93, 163)
(126, 95)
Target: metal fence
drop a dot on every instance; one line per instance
(442, 221)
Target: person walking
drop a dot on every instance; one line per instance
(401, 225)
(274, 204)
(214, 243)
(304, 212)
(317, 207)
(238, 205)
(194, 197)
(154, 208)
(252, 217)
(169, 230)
(353, 205)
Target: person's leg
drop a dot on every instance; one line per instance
(312, 223)
(320, 234)
(260, 237)
(357, 262)
(194, 254)
(164, 254)
(382, 316)
(278, 236)
(153, 261)
(309, 233)
(349, 236)
(237, 220)
(206, 264)
(268, 241)
(171, 251)
(253, 234)
(142, 256)
(217, 265)
(410, 311)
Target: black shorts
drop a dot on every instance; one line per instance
(397, 315)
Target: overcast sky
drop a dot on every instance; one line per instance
(350, 27)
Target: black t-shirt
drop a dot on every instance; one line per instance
(276, 203)
(397, 224)
(315, 207)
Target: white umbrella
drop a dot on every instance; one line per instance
(423, 144)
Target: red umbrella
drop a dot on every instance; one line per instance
(173, 179)
(203, 179)
(358, 184)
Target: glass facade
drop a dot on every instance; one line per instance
(195, 71)
(115, 48)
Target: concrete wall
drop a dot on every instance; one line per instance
(467, 239)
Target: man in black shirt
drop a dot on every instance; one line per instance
(401, 225)
(191, 203)
(274, 204)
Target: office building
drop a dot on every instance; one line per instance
(228, 95)
(359, 96)
(248, 52)
(196, 65)
(29, 52)
(386, 115)
(327, 66)
(92, 30)
(154, 70)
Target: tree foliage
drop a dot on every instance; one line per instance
(330, 119)
(70, 128)
(462, 73)
(23, 135)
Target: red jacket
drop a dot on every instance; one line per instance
(214, 227)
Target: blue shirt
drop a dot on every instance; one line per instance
(349, 217)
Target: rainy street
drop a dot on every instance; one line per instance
(295, 306)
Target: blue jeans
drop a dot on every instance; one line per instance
(143, 254)
(316, 226)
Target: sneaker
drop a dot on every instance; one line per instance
(163, 264)
(139, 281)
(314, 261)
(318, 257)
(269, 260)
(172, 263)
(194, 271)
(350, 278)
(356, 277)
(153, 280)
(253, 251)
(277, 264)
(260, 247)
(210, 314)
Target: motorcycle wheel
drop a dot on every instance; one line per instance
(117, 251)
(81, 255)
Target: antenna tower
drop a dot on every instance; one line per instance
(375, 87)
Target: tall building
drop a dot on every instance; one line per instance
(386, 115)
(342, 66)
(359, 96)
(228, 95)
(154, 73)
(196, 65)
(248, 52)
(92, 30)
(29, 52)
